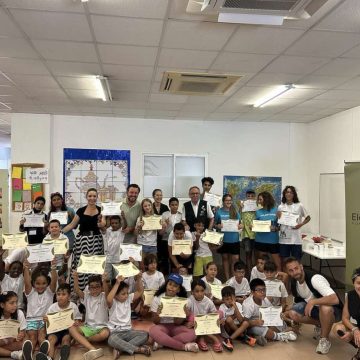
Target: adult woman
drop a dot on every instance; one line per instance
(230, 250)
(268, 242)
(89, 239)
(57, 204)
(290, 237)
(159, 207)
(348, 329)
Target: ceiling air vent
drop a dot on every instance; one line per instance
(196, 83)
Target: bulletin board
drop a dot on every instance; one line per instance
(23, 193)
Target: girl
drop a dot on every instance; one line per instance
(10, 347)
(268, 242)
(168, 331)
(199, 304)
(210, 279)
(290, 237)
(230, 250)
(57, 203)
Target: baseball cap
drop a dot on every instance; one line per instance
(176, 278)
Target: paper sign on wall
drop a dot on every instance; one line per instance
(37, 175)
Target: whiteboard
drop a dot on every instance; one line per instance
(332, 206)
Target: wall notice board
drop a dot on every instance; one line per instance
(23, 193)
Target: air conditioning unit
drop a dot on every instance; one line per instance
(197, 83)
(256, 11)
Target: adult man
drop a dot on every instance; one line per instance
(315, 302)
(197, 209)
(131, 210)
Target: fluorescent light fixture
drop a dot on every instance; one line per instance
(280, 90)
(83, 1)
(257, 19)
(103, 87)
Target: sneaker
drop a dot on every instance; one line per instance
(250, 340)
(260, 340)
(44, 347)
(192, 347)
(93, 354)
(27, 350)
(228, 345)
(42, 356)
(64, 352)
(17, 355)
(317, 332)
(323, 346)
(287, 336)
(156, 346)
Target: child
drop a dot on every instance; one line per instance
(199, 304)
(235, 325)
(257, 272)
(273, 282)
(210, 279)
(9, 346)
(239, 282)
(251, 313)
(122, 336)
(169, 331)
(94, 299)
(63, 337)
(113, 238)
(182, 260)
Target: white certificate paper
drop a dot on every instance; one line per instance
(40, 253)
(181, 247)
(62, 216)
(213, 237)
(288, 219)
(261, 225)
(212, 199)
(58, 321)
(130, 250)
(249, 205)
(216, 290)
(273, 288)
(230, 225)
(111, 208)
(148, 296)
(187, 279)
(173, 307)
(271, 315)
(14, 241)
(152, 222)
(207, 324)
(126, 270)
(91, 264)
(9, 328)
(34, 220)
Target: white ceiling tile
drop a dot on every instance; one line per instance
(301, 110)
(116, 30)
(73, 68)
(130, 86)
(129, 96)
(199, 108)
(353, 53)
(45, 92)
(4, 80)
(248, 63)
(262, 40)
(321, 82)
(66, 50)
(186, 58)
(53, 25)
(178, 11)
(265, 79)
(121, 104)
(128, 72)
(250, 116)
(23, 66)
(353, 84)
(161, 113)
(222, 116)
(127, 112)
(165, 106)
(207, 100)
(196, 35)
(318, 104)
(345, 104)
(77, 83)
(340, 67)
(95, 110)
(10, 47)
(168, 98)
(135, 8)
(295, 65)
(348, 95)
(185, 115)
(7, 27)
(128, 55)
(293, 118)
(68, 5)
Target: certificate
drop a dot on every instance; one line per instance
(34, 220)
(261, 226)
(130, 251)
(14, 241)
(126, 270)
(40, 253)
(271, 315)
(148, 297)
(212, 199)
(62, 216)
(213, 237)
(216, 290)
(181, 246)
(273, 288)
(288, 219)
(91, 264)
(173, 307)
(111, 208)
(9, 328)
(230, 225)
(187, 279)
(61, 246)
(58, 321)
(207, 324)
(249, 205)
(152, 222)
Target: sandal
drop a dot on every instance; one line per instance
(145, 350)
(217, 347)
(203, 345)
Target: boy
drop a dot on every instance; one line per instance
(257, 272)
(248, 236)
(251, 313)
(94, 299)
(63, 337)
(235, 325)
(239, 282)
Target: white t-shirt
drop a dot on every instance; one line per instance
(97, 312)
(120, 314)
(59, 258)
(146, 237)
(38, 304)
(16, 285)
(256, 274)
(187, 236)
(202, 307)
(56, 308)
(203, 250)
(287, 234)
(241, 289)
(319, 283)
(173, 219)
(154, 308)
(153, 281)
(276, 300)
(20, 318)
(251, 309)
(112, 242)
(230, 311)
(195, 207)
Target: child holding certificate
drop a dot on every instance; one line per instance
(239, 282)
(210, 279)
(10, 346)
(122, 337)
(275, 289)
(169, 331)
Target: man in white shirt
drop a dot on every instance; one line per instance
(315, 302)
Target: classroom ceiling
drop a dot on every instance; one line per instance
(50, 49)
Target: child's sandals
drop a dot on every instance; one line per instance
(203, 345)
(145, 350)
(217, 347)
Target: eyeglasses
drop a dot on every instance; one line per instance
(261, 290)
